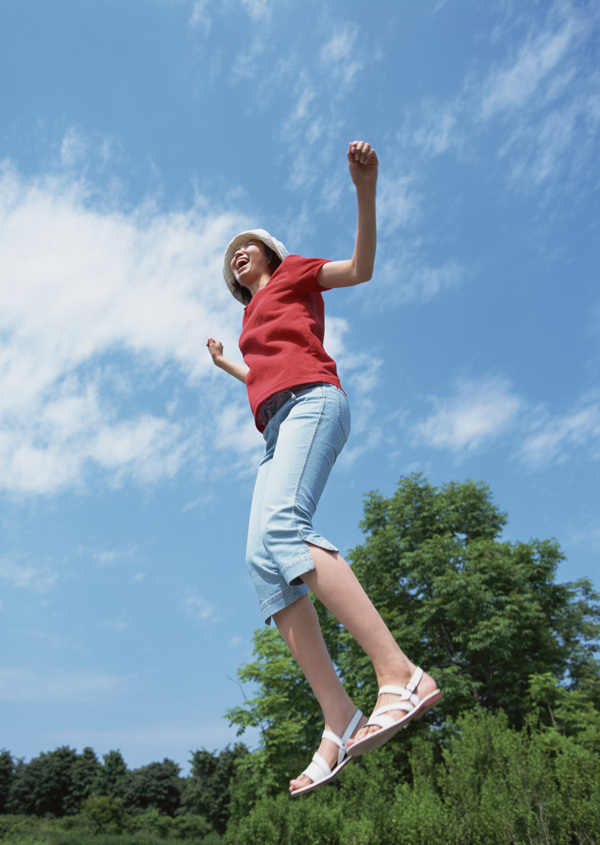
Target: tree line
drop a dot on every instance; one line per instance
(511, 755)
(64, 783)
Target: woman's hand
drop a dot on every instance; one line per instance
(215, 347)
(362, 164)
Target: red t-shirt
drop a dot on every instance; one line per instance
(282, 333)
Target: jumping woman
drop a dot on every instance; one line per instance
(303, 413)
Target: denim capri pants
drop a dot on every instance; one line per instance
(304, 437)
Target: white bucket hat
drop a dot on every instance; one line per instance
(251, 235)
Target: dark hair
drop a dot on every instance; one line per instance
(272, 257)
(244, 293)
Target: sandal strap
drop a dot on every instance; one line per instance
(340, 741)
(415, 680)
(317, 769)
(382, 720)
(406, 693)
(334, 738)
(408, 700)
(352, 726)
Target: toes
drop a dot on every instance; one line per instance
(363, 733)
(299, 782)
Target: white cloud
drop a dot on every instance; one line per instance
(480, 412)
(257, 10)
(555, 439)
(407, 277)
(74, 148)
(437, 128)
(83, 287)
(198, 608)
(539, 105)
(111, 557)
(203, 11)
(397, 203)
(26, 576)
(514, 86)
(358, 368)
(316, 102)
(340, 55)
(199, 16)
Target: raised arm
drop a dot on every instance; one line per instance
(363, 166)
(215, 347)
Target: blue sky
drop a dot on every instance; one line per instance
(136, 139)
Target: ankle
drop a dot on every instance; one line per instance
(397, 674)
(338, 717)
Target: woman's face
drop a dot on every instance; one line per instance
(250, 263)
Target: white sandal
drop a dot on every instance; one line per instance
(413, 707)
(318, 771)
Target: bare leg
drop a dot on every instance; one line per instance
(336, 586)
(299, 626)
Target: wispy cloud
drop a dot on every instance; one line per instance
(359, 368)
(236, 436)
(479, 412)
(437, 128)
(26, 576)
(515, 84)
(200, 14)
(484, 410)
(555, 439)
(538, 106)
(111, 557)
(397, 203)
(317, 108)
(198, 608)
(340, 55)
(406, 276)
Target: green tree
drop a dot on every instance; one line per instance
(84, 770)
(207, 791)
(154, 787)
(557, 710)
(106, 813)
(7, 772)
(44, 785)
(481, 614)
(113, 776)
